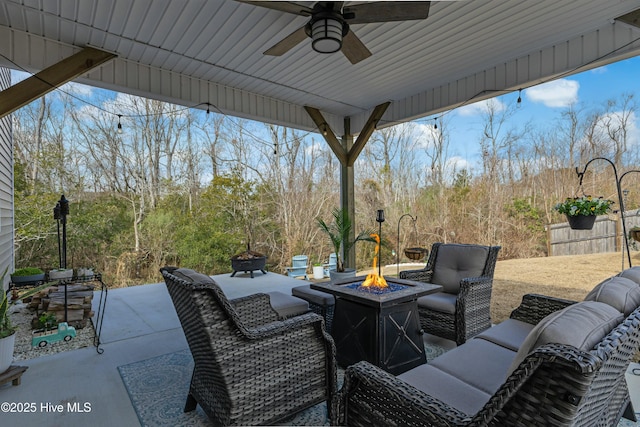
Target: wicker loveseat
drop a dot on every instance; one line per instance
(554, 362)
(250, 367)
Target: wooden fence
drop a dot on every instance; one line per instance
(605, 236)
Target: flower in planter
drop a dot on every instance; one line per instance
(584, 205)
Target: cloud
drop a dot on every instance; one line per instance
(615, 121)
(600, 70)
(77, 89)
(481, 107)
(456, 164)
(555, 94)
(423, 133)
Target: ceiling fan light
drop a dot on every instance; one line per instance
(326, 34)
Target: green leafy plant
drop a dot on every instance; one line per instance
(339, 231)
(47, 321)
(27, 271)
(584, 205)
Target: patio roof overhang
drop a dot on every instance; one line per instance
(209, 54)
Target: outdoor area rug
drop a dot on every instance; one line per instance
(158, 389)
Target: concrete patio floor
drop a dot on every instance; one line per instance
(139, 323)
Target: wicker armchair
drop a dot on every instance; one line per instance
(250, 368)
(466, 274)
(556, 384)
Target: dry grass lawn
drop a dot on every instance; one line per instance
(570, 277)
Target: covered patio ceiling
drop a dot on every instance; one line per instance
(199, 52)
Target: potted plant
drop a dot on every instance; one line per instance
(61, 274)
(7, 330)
(339, 231)
(84, 273)
(27, 275)
(581, 212)
(318, 271)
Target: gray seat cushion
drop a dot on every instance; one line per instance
(619, 292)
(440, 301)
(581, 325)
(455, 262)
(479, 363)
(286, 305)
(320, 298)
(447, 388)
(509, 334)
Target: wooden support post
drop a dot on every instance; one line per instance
(366, 132)
(347, 191)
(347, 153)
(50, 78)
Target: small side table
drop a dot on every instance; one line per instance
(13, 374)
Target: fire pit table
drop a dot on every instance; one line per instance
(379, 326)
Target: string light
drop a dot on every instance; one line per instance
(119, 123)
(208, 108)
(519, 96)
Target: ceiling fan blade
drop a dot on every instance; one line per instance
(287, 43)
(386, 11)
(283, 6)
(354, 49)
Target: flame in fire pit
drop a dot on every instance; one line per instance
(374, 280)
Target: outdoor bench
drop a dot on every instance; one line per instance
(554, 362)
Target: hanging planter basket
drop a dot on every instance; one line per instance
(416, 254)
(581, 222)
(634, 234)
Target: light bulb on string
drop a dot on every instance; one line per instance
(119, 123)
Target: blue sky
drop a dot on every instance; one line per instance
(544, 103)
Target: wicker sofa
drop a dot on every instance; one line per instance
(554, 362)
(251, 366)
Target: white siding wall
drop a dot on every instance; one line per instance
(6, 185)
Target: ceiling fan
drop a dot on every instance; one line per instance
(329, 23)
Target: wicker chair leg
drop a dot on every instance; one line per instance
(191, 403)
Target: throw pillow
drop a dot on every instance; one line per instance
(632, 273)
(621, 293)
(193, 276)
(581, 325)
(455, 262)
